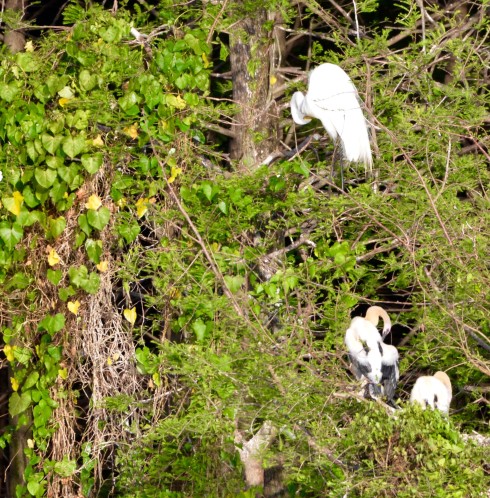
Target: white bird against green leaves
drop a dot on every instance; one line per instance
(434, 391)
(371, 359)
(333, 99)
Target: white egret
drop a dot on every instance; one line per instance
(434, 391)
(370, 358)
(333, 99)
(366, 350)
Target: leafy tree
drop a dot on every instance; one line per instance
(177, 276)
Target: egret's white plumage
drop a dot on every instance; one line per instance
(434, 391)
(370, 357)
(333, 99)
(363, 342)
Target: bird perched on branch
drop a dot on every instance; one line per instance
(371, 359)
(333, 99)
(434, 391)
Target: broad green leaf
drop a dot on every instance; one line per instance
(56, 226)
(87, 80)
(27, 62)
(65, 468)
(8, 92)
(199, 328)
(92, 163)
(78, 275)
(10, 234)
(98, 219)
(45, 177)
(30, 381)
(28, 218)
(73, 146)
(84, 224)
(51, 144)
(19, 403)
(92, 284)
(52, 323)
(94, 250)
(66, 292)
(129, 232)
(54, 276)
(234, 283)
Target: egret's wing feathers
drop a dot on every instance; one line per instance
(390, 379)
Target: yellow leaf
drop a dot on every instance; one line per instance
(29, 46)
(93, 202)
(63, 373)
(15, 383)
(8, 351)
(272, 80)
(121, 202)
(53, 258)
(14, 203)
(63, 101)
(30, 443)
(73, 306)
(175, 101)
(141, 206)
(130, 315)
(204, 58)
(103, 266)
(156, 379)
(97, 141)
(174, 173)
(131, 131)
(116, 356)
(109, 360)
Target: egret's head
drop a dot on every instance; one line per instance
(298, 109)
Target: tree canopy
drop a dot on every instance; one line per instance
(179, 262)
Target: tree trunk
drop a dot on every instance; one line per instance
(14, 39)
(256, 131)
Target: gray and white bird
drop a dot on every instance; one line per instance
(333, 99)
(434, 391)
(371, 360)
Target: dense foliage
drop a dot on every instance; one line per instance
(162, 303)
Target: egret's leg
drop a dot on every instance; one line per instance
(338, 158)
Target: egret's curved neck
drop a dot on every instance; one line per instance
(374, 313)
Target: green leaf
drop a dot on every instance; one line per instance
(234, 283)
(92, 163)
(10, 234)
(199, 328)
(78, 275)
(94, 250)
(34, 487)
(73, 146)
(54, 276)
(92, 284)
(129, 232)
(52, 323)
(84, 224)
(98, 219)
(50, 143)
(223, 207)
(19, 403)
(66, 292)
(45, 177)
(65, 468)
(27, 62)
(30, 381)
(56, 226)
(8, 92)
(87, 80)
